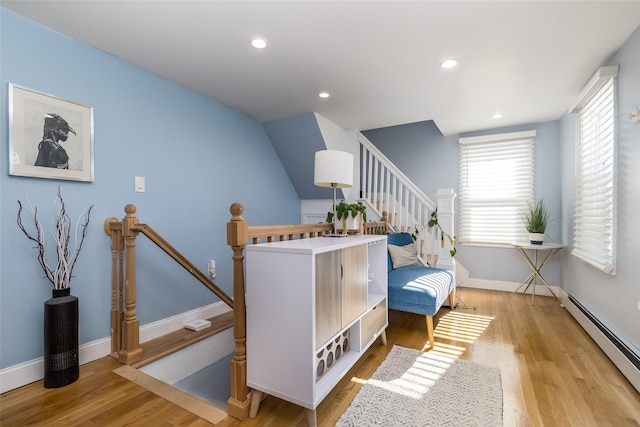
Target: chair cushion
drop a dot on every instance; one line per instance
(418, 289)
(402, 256)
(397, 239)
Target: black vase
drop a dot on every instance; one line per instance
(61, 362)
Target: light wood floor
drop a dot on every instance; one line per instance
(553, 374)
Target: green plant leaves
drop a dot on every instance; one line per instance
(344, 210)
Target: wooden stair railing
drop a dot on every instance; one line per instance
(125, 327)
(239, 235)
(124, 323)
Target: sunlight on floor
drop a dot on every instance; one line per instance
(445, 349)
(416, 381)
(463, 327)
(460, 327)
(428, 368)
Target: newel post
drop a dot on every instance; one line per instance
(237, 237)
(131, 351)
(444, 198)
(117, 280)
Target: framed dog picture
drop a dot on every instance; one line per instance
(49, 137)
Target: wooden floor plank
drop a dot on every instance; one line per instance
(553, 374)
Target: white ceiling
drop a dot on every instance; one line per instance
(379, 60)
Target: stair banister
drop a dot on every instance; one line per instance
(131, 351)
(125, 326)
(445, 197)
(387, 188)
(387, 164)
(237, 236)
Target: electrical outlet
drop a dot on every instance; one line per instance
(638, 305)
(211, 268)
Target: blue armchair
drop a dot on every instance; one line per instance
(414, 287)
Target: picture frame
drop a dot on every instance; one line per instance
(49, 137)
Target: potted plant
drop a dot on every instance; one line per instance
(536, 218)
(349, 215)
(61, 362)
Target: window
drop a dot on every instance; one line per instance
(496, 184)
(595, 198)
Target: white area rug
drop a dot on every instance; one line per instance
(413, 388)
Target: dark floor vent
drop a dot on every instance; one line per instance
(624, 349)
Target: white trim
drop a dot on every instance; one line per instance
(596, 82)
(497, 285)
(25, 373)
(500, 137)
(314, 211)
(630, 372)
(162, 327)
(18, 375)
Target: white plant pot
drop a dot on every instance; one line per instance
(350, 223)
(536, 238)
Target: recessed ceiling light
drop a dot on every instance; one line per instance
(259, 43)
(497, 116)
(323, 94)
(449, 63)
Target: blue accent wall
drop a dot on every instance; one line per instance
(421, 152)
(296, 139)
(198, 157)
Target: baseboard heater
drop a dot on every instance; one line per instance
(633, 358)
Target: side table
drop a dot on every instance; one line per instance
(551, 249)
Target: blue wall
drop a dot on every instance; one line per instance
(614, 299)
(431, 160)
(296, 139)
(421, 152)
(198, 157)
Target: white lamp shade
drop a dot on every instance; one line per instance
(333, 169)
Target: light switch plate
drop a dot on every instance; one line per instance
(139, 185)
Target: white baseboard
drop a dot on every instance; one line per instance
(162, 327)
(497, 285)
(25, 373)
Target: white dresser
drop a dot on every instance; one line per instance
(314, 306)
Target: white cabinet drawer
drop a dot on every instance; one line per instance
(372, 322)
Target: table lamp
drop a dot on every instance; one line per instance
(333, 169)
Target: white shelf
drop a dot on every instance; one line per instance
(315, 245)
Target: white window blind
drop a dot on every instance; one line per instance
(496, 184)
(595, 198)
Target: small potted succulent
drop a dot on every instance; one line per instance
(536, 218)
